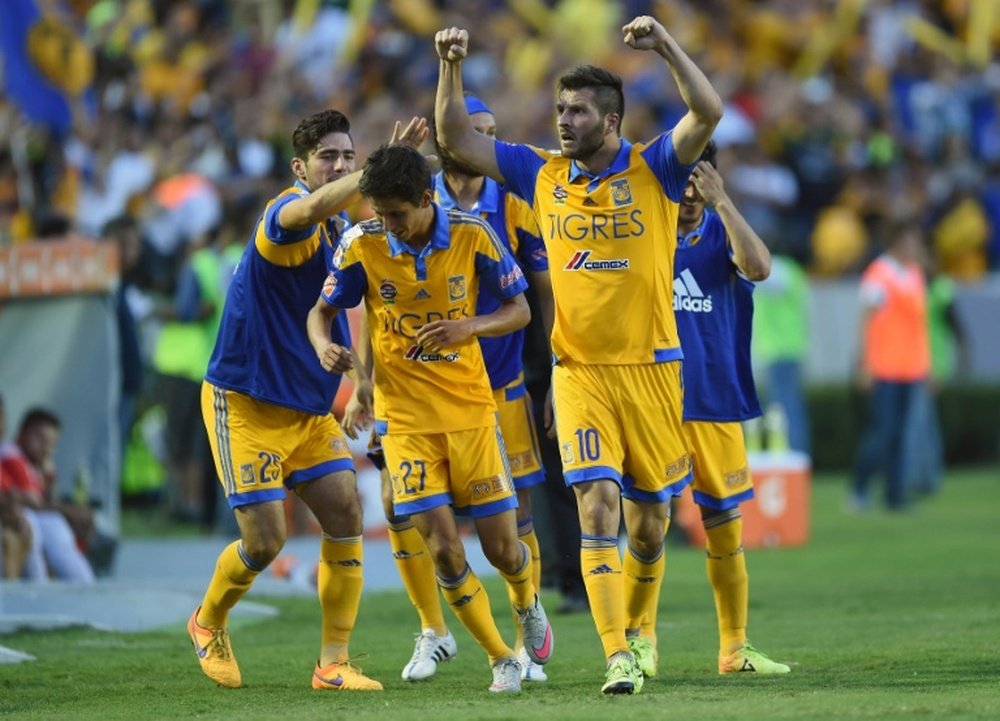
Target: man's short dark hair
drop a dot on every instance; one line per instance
(396, 171)
(606, 86)
(39, 417)
(317, 126)
(710, 153)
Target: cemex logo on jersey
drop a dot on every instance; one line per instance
(581, 261)
(688, 294)
(416, 353)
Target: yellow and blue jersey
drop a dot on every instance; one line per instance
(417, 390)
(262, 348)
(610, 241)
(514, 224)
(713, 303)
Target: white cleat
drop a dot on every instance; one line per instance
(506, 676)
(531, 671)
(428, 651)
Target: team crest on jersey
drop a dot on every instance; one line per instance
(621, 193)
(330, 284)
(247, 475)
(388, 292)
(456, 287)
(568, 455)
(559, 194)
(338, 445)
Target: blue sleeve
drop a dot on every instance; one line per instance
(519, 165)
(345, 287)
(531, 251)
(272, 228)
(661, 158)
(187, 297)
(503, 278)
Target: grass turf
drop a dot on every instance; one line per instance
(881, 616)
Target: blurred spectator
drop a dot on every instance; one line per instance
(780, 341)
(893, 366)
(180, 360)
(15, 533)
(58, 528)
(948, 354)
(124, 232)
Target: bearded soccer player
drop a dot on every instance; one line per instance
(607, 209)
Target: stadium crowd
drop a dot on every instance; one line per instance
(839, 116)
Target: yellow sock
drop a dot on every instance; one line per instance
(520, 589)
(727, 572)
(643, 577)
(472, 606)
(416, 568)
(647, 628)
(234, 573)
(602, 575)
(339, 581)
(526, 532)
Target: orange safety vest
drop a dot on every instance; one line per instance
(897, 347)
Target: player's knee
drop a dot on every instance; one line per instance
(505, 554)
(449, 558)
(264, 548)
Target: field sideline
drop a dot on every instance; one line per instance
(881, 616)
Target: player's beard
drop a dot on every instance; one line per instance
(587, 144)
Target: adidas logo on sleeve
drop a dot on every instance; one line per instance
(688, 294)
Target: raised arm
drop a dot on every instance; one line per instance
(750, 254)
(455, 133)
(335, 196)
(693, 131)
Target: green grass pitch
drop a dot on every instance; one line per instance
(881, 617)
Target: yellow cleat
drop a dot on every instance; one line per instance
(214, 652)
(747, 659)
(342, 677)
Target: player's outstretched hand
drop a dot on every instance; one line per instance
(452, 44)
(336, 359)
(414, 134)
(644, 33)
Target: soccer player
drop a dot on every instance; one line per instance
(460, 188)
(266, 406)
(719, 257)
(419, 269)
(608, 214)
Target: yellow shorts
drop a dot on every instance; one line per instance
(622, 423)
(260, 448)
(465, 469)
(721, 472)
(517, 424)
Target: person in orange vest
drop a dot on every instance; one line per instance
(894, 363)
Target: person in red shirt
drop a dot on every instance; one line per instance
(28, 479)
